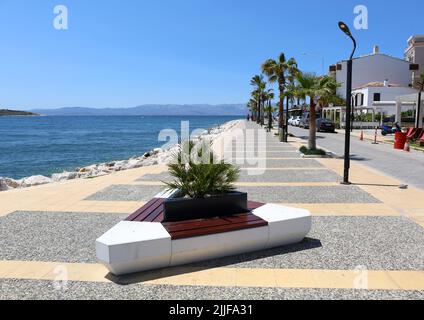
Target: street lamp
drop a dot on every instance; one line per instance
(346, 31)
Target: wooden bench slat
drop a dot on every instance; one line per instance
(252, 205)
(154, 214)
(134, 216)
(208, 223)
(144, 212)
(218, 229)
(153, 211)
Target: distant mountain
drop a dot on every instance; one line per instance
(152, 110)
(6, 112)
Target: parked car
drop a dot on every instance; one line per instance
(291, 121)
(296, 121)
(325, 125)
(304, 120)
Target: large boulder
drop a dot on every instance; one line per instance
(57, 177)
(3, 185)
(12, 183)
(132, 164)
(7, 184)
(34, 181)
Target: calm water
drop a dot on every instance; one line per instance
(45, 145)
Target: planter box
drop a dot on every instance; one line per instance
(181, 209)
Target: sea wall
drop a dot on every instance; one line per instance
(154, 157)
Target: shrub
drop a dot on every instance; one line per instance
(200, 179)
(314, 152)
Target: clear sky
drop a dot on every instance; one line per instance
(123, 53)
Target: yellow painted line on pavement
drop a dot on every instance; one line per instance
(221, 277)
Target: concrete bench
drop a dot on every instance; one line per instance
(143, 242)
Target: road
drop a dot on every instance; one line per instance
(403, 166)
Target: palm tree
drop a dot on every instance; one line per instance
(250, 106)
(254, 100)
(292, 72)
(260, 85)
(276, 71)
(269, 109)
(316, 89)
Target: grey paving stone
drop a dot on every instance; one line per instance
(284, 176)
(343, 243)
(53, 236)
(268, 154)
(280, 163)
(308, 194)
(266, 176)
(164, 176)
(126, 193)
(45, 290)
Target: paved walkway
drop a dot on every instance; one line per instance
(367, 240)
(403, 166)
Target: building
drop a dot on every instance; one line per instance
(374, 98)
(375, 67)
(365, 96)
(415, 54)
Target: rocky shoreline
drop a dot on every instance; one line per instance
(154, 157)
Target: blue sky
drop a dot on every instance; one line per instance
(131, 52)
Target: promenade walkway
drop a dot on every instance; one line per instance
(367, 240)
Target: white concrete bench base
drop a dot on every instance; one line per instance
(132, 247)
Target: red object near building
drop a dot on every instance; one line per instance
(400, 140)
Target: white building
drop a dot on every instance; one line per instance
(414, 53)
(375, 67)
(368, 94)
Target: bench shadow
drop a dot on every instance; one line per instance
(139, 278)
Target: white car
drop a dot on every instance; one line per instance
(296, 121)
(291, 121)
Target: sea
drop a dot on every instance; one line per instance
(46, 145)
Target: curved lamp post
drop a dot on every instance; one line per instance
(346, 31)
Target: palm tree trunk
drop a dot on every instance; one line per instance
(312, 144)
(258, 120)
(270, 116)
(281, 112)
(263, 113)
(286, 137)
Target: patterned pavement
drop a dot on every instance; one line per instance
(367, 239)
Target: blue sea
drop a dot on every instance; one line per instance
(45, 145)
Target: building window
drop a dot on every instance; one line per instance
(339, 66)
(377, 96)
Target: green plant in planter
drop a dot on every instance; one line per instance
(198, 174)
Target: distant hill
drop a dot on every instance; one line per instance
(6, 112)
(152, 110)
